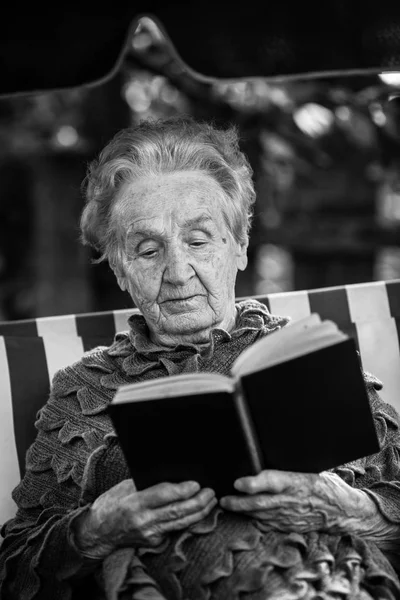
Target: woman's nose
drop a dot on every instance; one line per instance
(177, 269)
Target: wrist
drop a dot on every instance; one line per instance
(375, 526)
(353, 510)
(87, 539)
(366, 519)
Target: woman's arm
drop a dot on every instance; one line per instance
(38, 556)
(378, 476)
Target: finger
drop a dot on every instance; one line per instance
(179, 510)
(271, 482)
(184, 522)
(126, 487)
(166, 493)
(268, 481)
(255, 502)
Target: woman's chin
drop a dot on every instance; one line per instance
(184, 328)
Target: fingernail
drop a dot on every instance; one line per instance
(239, 484)
(193, 486)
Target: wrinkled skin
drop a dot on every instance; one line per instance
(305, 502)
(180, 259)
(122, 516)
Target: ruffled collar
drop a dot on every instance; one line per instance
(141, 354)
(250, 315)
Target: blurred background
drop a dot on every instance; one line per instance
(325, 154)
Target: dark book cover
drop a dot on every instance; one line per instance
(312, 413)
(183, 438)
(308, 414)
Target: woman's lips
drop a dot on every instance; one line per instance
(182, 303)
(181, 299)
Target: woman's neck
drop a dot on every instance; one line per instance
(197, 338)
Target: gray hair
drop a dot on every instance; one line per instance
(162, 146)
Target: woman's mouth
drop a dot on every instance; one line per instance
(177, 304)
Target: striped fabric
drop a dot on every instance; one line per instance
(31, 351)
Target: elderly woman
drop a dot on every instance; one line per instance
(169, 206)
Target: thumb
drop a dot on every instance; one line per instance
(269, 481)
(166, 493)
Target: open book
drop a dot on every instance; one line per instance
(295, 400)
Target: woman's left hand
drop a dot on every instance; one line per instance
(303, 502)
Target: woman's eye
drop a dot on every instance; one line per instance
(198, 243)
(148, 253)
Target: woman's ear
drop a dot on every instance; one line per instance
(120, 276)
(241, 256)
(122, 283)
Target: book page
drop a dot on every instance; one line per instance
(302, 337)
(268, 342)
(187, 384)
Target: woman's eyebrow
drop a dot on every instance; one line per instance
(144, 232)
(199, 221)
(148, 232)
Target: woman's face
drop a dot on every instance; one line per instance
(180, 259)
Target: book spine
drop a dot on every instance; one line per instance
(248, 429)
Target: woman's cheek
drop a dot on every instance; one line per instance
(213, 273)
(220, 267)
(208, 267)
(145, 283)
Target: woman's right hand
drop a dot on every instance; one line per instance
(123, 516)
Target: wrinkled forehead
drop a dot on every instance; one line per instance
(180, 198)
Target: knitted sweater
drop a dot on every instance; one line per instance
(76, 457)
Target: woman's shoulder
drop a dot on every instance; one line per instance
(87, 386)
(74, 422)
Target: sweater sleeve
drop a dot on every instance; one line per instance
(379, 474)
(381, 478)
(38, 557)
